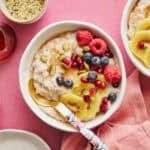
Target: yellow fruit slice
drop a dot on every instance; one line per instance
(147, 57)
(144, 25)
(139, 36)
(73, 100)
(91, 112)
(38, 98)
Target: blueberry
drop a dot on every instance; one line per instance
(87, 57)
(68, 83)
(112, 96)
(60, 80)
(92, 75)
(104, 61)
(96, 61)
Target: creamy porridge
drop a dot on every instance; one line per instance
(76, 69)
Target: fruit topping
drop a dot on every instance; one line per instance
(60, 81)
(93, 91)
(104, 105)
(104, 61)
(98, 47)
(112, 97)
(87, 57)
(104, 100)
(112, 74)
(93, 68)
(68, 83)
(141, 45)
(92, 75)
(79, 61)
(67, 61)
(96, 61)
(97, 83)
(7, 41)
(81, 67)
(102, 85)
(84, 37)
(74, 65)
(100, 69)
(73, 57)
(87, 98)
(84, 80)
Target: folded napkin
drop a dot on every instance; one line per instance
(129, 127)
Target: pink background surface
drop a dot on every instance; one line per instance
(13, 111)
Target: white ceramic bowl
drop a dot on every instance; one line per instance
(6, 13)
(24, 70)
(20, 139)
(124, 27)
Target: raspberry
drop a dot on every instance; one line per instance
(112, 74)
(98, 47)
(84, 37)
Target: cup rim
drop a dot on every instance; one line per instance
(6, 13)
(121, 63)
(123, 28)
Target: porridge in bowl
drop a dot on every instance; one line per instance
(78, 69)
(139, 31)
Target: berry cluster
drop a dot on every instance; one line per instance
(96, 60)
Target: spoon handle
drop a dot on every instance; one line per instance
(88, 134)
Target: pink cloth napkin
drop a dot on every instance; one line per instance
(129, 127)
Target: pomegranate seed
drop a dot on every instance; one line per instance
(141, 45)
(100, 70)
(92, 91)
(81, 67)
(87, 99)
(79, 61)
(66, 61)
(74, 65)
(97, 83)
(93, 68)
(102, 85)
(84, 80)
(73, 57)
(109, 54)
(105, 100)
(103, 108)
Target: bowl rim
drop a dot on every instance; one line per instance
(11, 18)
(120, 60)
(138, 64)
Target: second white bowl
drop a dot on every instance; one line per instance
(124, 28)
